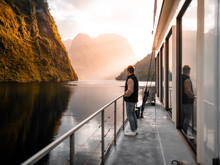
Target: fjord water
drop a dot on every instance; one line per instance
(34, 114)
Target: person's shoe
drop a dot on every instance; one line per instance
(190, 137)
(130, 133)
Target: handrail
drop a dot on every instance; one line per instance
(40, 154)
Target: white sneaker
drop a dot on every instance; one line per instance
(190, 137)
(130, 133)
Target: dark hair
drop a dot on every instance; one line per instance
(130, 69)
(186, 69)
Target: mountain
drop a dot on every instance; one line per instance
(143, 70)
(30, 46)
(100, 58)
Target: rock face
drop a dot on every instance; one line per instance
(30, 46)
(102, 57)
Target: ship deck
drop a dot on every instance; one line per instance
(157, 143)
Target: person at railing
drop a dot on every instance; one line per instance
(131, 98)
(187, 100)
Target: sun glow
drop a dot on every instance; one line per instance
(130, 19)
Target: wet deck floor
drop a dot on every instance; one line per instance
(158, 142)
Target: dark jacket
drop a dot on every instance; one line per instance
(185, 98)
(134, 96)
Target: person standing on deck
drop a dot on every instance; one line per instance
(131, 98)
(187, 100)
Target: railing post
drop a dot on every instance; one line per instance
(115, 119)
(71, 134)
(72, 150)
(102, 138)
(123, 114)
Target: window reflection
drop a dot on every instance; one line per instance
(170, 92)
(211, 137)
(157, 74)
(30, 114)
(188, 76)
(162, 74)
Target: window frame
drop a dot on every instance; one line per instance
(167, 70)
(179, 69)
(161, 73)
(157, 74)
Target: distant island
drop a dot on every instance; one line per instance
(30, 46)
(102, 57)
(141, 70)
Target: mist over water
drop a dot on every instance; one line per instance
(100, 58)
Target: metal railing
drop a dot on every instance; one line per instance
(39, 155)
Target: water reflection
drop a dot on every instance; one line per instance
(30, 117)
(189, 81)
(87, 98)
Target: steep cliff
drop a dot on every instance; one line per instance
(102, 57)
(30, 46)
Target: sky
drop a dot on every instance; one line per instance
(131, 19)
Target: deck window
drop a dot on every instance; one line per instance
(170, 86)
(157, 75)
(164, 76)
(169, 71)
(187, 57)
(161, 68)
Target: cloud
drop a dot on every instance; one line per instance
(81, 4)
(62, 10)
(67, 4)
(67, 29)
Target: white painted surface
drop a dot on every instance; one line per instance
(210, 84)
(208, 76)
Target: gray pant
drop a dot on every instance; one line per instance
(130, 108)
(187, 115)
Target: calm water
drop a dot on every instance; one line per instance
(33, 115)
